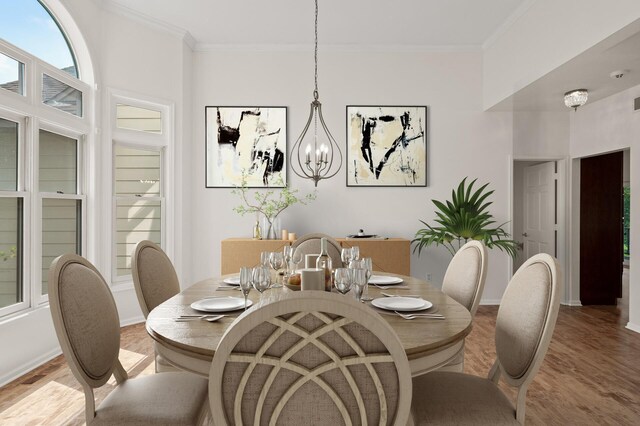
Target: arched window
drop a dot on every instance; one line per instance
(44, 127)
(30, 26)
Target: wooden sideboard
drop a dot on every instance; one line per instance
(391, 255)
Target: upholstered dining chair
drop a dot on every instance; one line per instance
(464, 282)
(155, 281)
(310, 357)
(86, 321)
(310, 244)
(524, 326)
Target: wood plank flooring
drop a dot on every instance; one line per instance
(591, 374)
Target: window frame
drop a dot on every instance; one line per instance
(25, 196)
(32, 115)
(80, 195)
(162, 142)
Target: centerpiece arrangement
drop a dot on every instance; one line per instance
(463, 218)
(269, 203)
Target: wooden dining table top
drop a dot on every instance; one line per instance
(198, 338)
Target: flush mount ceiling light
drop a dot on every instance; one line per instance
(576, 98)
(316, 160)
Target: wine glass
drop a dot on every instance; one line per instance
(264, 258)
(359, 282)
(276, 260)
(287, 254)
(261, 279)
(245, 283)
(355, 264)
(345, 255)
(343, 280)
(355, 253)
(296, 257)
(367, 264)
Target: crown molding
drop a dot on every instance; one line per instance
(348, 48)
(508, 23)
(149, 21)
(190, 41)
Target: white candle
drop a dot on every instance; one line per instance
(308, 153)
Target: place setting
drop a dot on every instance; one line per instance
(215, 308)
(385, 282)
(230, 283)
(406, 307)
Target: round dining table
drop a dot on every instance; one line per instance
(190, 345)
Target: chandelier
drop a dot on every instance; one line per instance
(576, 98)
(315, 160)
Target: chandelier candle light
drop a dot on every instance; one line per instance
(321, 164)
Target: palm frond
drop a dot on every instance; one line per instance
(464, 217)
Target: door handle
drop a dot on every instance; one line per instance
(525, 234)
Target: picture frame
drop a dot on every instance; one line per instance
(386, 146)
(246, 141)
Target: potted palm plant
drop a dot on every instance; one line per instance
(465, 217)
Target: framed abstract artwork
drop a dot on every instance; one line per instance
(249, 141)
(386, 145)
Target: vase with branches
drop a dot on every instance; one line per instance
(465, 217)
(269, 203)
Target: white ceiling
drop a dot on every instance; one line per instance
(590, 70)
(430, 23)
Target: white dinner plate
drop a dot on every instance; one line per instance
(220, 304)
(232, 280)
(384, 280)
(401, 303)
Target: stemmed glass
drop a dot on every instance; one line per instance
(287, 253)
(264, 258)
(296, 257)
(343, 280)
(367, 264)
(359, 276)
(345, 255)
(355, 253)
(277, 262)
(245, 283)
(261, 279)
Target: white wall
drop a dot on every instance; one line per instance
(546, 36)
(540, 134)
(462, 141)
(611, 125)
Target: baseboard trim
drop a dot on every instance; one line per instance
(572, 303)
(633, 327)
(130, 321)
(490, 302)
(37, 362)
(28, 366)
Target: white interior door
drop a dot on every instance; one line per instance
(539, 206)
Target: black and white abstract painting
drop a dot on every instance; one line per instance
(246, 140)
(386, 146)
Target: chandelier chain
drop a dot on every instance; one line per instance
(315, 57)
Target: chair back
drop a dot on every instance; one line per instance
(154, 276)
(310, 244)
(466, 274)
(310, 357)
(527, 317)
(85, 318)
